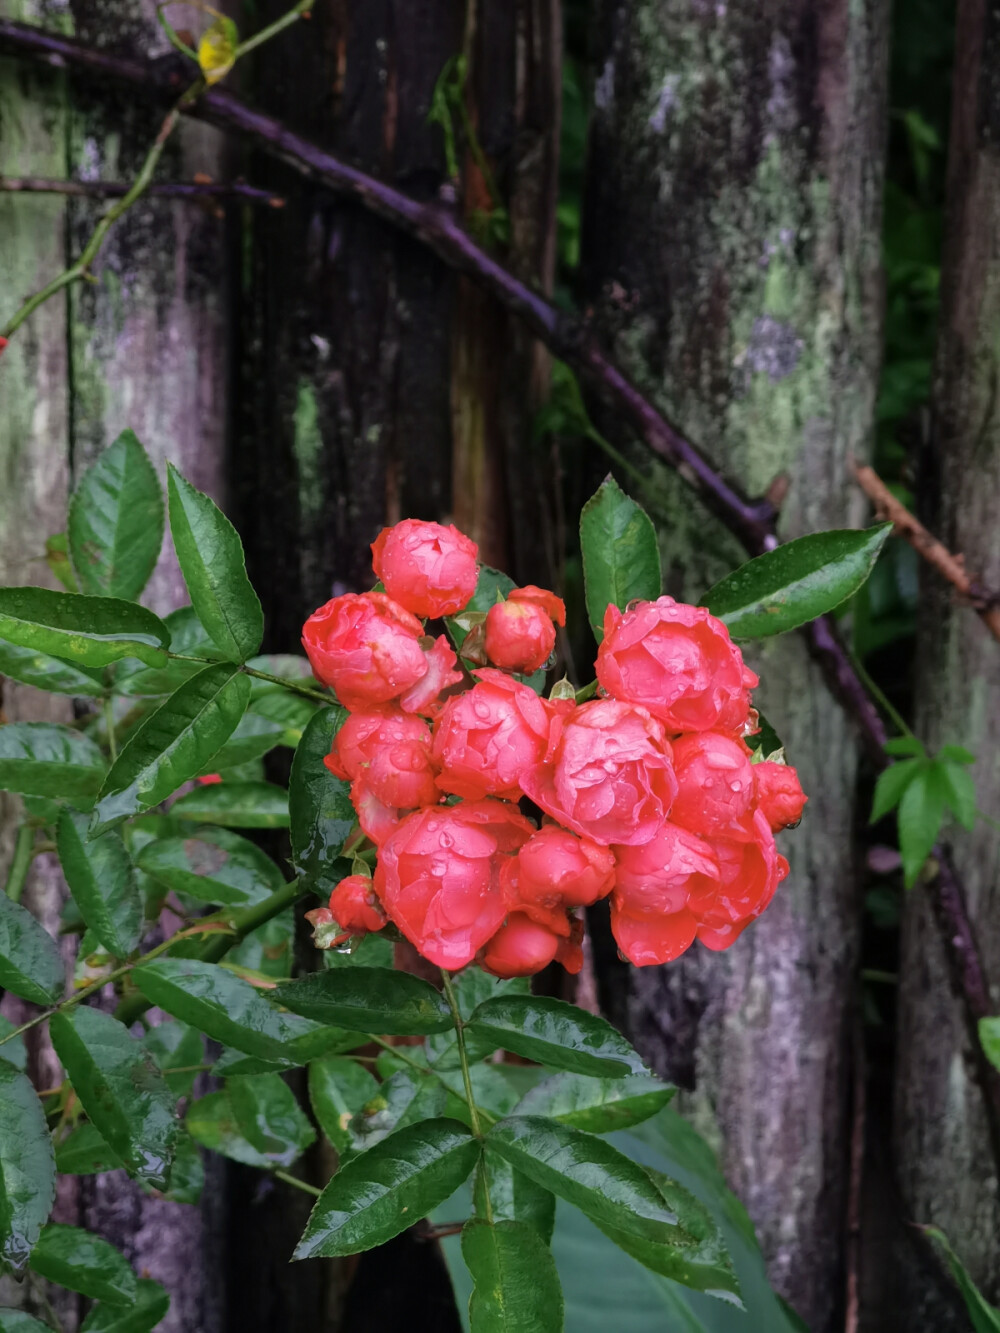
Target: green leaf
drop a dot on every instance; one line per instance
(369, 999)
(515, 1284)
(891, 784)
(989, 1035)
(919, 819)
(254, 737)
(557, 1034)
(269, 1117)
(57, 559)
(322, 815)
(621, 559)
(304, 1042)
(338, 1088)
(13, 1050)
(17, 1321)
(27, 1168)
(381, 1192)
(175, 1046)
(959, 788)
(472, 986)
(187, 1173)
(215, 866)
(796, 582)
(120, 1088)
(985, 1317)
(905, 745)
(187, 636)
(589, 1173)
(115, 525)
(698, 1259)
(45, 759)
(405, 1098)
(86, 1263)
(214, 568)
(290, 711)
(88, 631)
(513, 1196)
(101, 878)
(956, 754)
(31, 667)
(85, 1152)
(235, 805)
(221, 1005)
(174, 744)
(211, 1121)
(149, 1308)
(597, 1105)
(269, 950)
(30, 965)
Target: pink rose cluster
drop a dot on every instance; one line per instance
(646, 794)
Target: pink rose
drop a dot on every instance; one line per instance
(366, 648)
(429, 569)
(679, 662)
(610, 777)
(715, 781)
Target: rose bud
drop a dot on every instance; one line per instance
(648, 938)
(485, 737)
(715, 781)
(438, 876)
(779, 794)
(520, 948)
(610, 777)
(427, 568)
(355, 906)
(520, 633)
(679, 662)
(366, 648)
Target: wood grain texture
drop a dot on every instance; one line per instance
(946, 1171)
(731, 247)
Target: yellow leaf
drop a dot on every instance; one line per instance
(217, 50)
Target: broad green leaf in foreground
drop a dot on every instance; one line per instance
(556, 1033)
(320, 807)
(405, 1098)
(589, 1173)
(597, 1105)
(235, 805)
(88, 631)
(102, 880)
(214, 568)
(31, 667)
(85, 1152)
(46, 759)
(383, 1191)
(796, 582)
(270, 1118)
(515, 1284)
(141, 1316)
(368, 999)
(338, 1088)
(174, 744)
(211, 1121)
(30, 964)
(14, 1051)
(86, 1263)
(621, 558)
(221, 1005)
(513, 1196)
(253, 738)
(27, 1168)
(120, 1088)
(115, 524)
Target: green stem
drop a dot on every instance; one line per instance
(305, 690)
(587, 692)
(89, 253)
(302, 1185)
(877, 694)
(456, 1013)
(109, 726)
(20, 863)
(273, 29)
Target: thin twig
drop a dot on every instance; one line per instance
(984, 601)
(194, 190)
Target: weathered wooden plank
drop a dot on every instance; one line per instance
(732, 249)
(946, 1171)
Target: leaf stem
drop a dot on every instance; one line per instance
(880, 698)
(274, 28)
(289, 1179)
(463, 1055)
(306, 691)
(587, 692)
(109, 726)
(20, 863)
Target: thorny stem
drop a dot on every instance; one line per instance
(20, 863)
